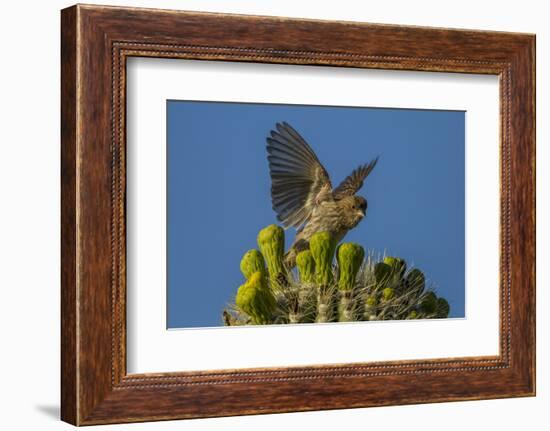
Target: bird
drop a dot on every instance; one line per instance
(302, 195)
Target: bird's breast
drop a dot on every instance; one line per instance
(325, 218)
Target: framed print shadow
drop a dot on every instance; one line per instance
(338, 209)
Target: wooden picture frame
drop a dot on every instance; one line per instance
(95, 43)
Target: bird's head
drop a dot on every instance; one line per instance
(360, 206)
(355, 208)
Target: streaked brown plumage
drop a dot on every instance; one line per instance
(302, 194)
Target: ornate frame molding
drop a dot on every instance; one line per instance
(96, 41)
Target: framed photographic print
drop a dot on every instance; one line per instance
(324, 214)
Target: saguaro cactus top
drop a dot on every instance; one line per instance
(365, 290)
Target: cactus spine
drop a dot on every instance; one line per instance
(382, 273)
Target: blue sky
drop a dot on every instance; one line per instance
(219, 192)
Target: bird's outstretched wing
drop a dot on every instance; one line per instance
(299, 182)
(353, 182)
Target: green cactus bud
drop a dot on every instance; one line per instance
(306, 266)
(256, 299)
(398, 265)
(442, 308)
(429, 303)
(388, 294)
(371, 305)
(350, 257)
(413, 315)
(252, 262)
(271, 241)
(371, 301)
(382, 272)
(322, 248)
(416, 281)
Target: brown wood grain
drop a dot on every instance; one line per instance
(68, 217)
(96, 41)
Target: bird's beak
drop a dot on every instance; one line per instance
(360, 213)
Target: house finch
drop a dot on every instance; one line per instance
(302, 194)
